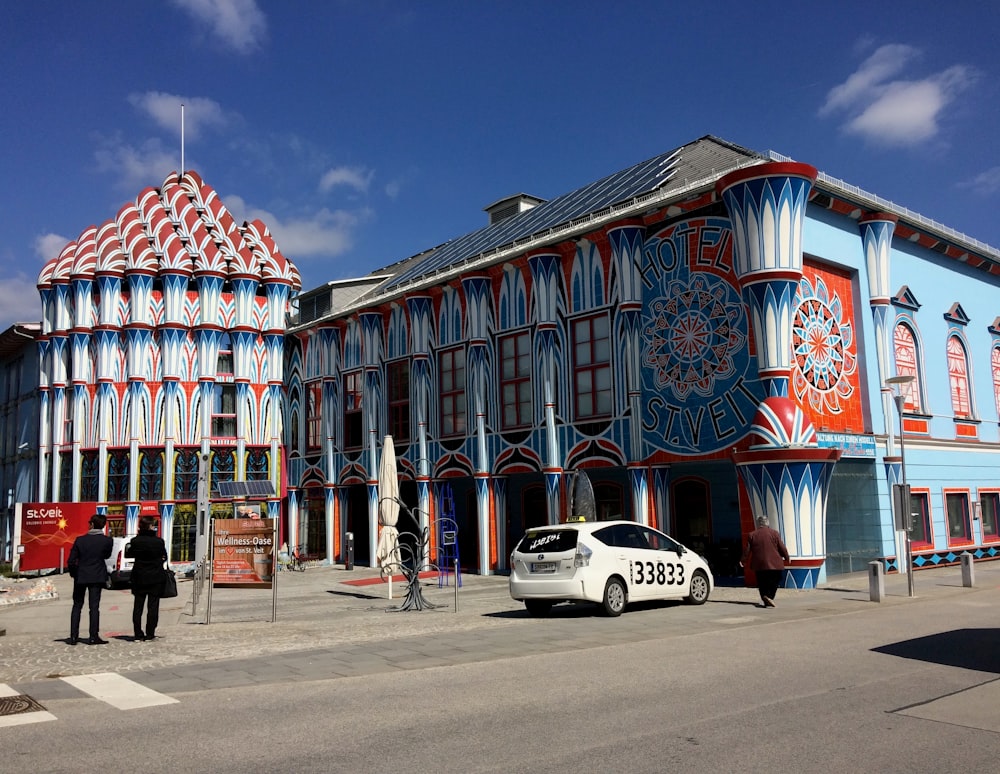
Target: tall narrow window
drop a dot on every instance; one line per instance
(224, 411)
(118, 475)
(515, 380)
(354, 426)
(958, 378)
(65, 477)
(989, 509)
(920, 507)
(224, 363)
(258, 467)
(223, 469)
(89, 471)
(592, 366)
(995, 365)
(151, 475)
(959, 529)
(314, 415)
(905, 347)
(451, 374)
(398, 393)
(186, 474)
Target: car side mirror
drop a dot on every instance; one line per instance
(680, 550)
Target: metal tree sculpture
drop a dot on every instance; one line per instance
(410, 565)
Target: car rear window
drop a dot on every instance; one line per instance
(555, 540)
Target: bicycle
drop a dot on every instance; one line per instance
(295, 562)
(292, 561)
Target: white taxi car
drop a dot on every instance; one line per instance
(119, 566)
(611, 563)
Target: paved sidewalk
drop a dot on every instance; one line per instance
(326, 628)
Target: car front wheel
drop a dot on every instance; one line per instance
(698, 592)
(614, 597)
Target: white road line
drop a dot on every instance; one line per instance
(118, 691)
(22, 718)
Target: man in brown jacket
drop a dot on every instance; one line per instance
(766, 555)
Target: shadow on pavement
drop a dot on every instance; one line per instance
(352, 594)
(977, 649)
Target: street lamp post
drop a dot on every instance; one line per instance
(898, 382)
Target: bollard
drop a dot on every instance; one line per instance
(968, 570)
(876, 581)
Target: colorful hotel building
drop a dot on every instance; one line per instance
(709, 335)
(161, 357)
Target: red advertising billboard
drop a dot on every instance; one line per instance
(45, 528)
(243, 553)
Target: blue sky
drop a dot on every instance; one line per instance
(364, 131)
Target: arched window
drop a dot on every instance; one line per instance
(907, 364)
(958, 377)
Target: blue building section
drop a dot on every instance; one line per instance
(713, 334)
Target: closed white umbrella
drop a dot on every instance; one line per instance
(387, 553)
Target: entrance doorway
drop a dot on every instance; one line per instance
(691, 508)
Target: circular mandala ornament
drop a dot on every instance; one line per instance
(823, 358)
(693, 336)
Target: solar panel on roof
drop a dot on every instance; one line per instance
(622, 186)
(260, 488)
(232, 488)
(246, 489)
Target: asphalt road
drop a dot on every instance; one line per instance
(828, 681)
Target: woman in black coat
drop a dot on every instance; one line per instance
(149, 552)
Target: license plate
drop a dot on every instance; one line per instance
(543, 566)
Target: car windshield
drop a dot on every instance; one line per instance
(553, 540)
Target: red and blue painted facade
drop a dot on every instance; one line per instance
(703, 353)
(161, 359)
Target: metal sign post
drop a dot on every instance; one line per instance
(274, 572)
(210, 570)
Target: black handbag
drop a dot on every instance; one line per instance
(169, 585)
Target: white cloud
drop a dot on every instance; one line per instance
(392, 188)
(239, 24)
(326, 233)
(48, 246)
(19, 300)
(357, 178)
(136, 167)
(987, 182)
(884, 63)
(165, 109)
(900, 111)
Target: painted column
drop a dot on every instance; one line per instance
(545, 308)
(477, 303)
(420, 309)
(876, 239)
(500, 525)
(59, 351)
(626, 253)
(371, 400)
(82, 284)
(661, 499)
(786, 474)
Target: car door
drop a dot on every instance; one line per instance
(672, 564)
(637, 563)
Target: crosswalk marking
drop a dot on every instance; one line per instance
(118, 691)
(21, 718)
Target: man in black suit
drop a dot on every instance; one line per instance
(90, 573)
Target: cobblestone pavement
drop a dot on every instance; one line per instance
(327, 628)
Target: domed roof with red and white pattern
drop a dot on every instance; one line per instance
(181, 228)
